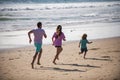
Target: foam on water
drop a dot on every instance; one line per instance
(94, 31)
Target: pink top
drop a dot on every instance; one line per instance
(58, 41)
(38, 35)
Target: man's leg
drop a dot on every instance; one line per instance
(39, 56)
(34, 58)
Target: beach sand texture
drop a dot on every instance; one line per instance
(102, 62)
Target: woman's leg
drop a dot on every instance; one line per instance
(85, 52)
(59, 50)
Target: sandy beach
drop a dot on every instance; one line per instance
(102, 62)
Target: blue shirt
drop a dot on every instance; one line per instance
(84, 43)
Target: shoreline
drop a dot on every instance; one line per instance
(73, 33)
(64, 42)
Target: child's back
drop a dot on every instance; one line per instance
(83, 44)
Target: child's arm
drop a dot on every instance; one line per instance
(30, 40)
(90, 42)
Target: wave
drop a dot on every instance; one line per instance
(13, 15)
(9, 19)
(51, 24)
(52, 1)
(32, 7)
(15, 9)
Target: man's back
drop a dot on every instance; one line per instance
(38, 35)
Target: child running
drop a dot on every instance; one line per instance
(57, 41)
(38, 36)
(83, 44)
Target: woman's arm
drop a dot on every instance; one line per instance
(53, 38)
(64, 39)
(63, 36)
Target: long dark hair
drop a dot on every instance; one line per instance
(59, 27)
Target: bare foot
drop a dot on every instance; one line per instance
(38, 63)
(84, 57)
(80, 53)
(54, 62)
(32, 65)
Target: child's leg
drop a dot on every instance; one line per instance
(39, 56)
(34, 57)
(81, 51)
(59, 50)
(84, 54)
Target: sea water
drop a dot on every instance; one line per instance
(99, 19)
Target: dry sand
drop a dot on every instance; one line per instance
(102, 62)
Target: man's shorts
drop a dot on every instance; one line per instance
(38, 46)
(83, 50)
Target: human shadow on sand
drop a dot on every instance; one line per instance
(101, 59)
(68, 70)
(116, 51)
(94, 49)
(81, 65)
(59, 69)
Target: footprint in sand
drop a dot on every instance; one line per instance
(11, 58)
(2, 58)
(17, 58)
(19, 50)
(118, 60)
(65, 74)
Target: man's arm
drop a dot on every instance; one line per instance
(45, 35)
(30, 40)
